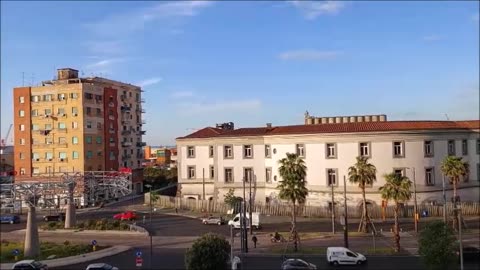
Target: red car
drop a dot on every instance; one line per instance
(128, 215)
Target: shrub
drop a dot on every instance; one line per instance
(80, 225)
(437, 245)
(124, 227)
(52, 225)
(210, 251)
(66, 243)
(116, 224)
(91, 224)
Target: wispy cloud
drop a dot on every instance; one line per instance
(432, 38)
(105, 63)
(312, 9)
(191, 108)
(309, 55)
(182, 94)
(149, 82)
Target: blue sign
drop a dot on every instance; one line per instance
(94, 243)
(139, 253)
(15, 252)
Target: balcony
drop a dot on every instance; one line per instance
(123, 97)
(142, 132)
(112, 144)
(111, 104)
(125, 109)
(61, 130)
(111, 130)
(141, 144)
(126, 132)
(139, 155)
(126, 144)
(126, 157)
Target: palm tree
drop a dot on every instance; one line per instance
(397, 189)
(363, 174)
(293, 187)
(454, 168)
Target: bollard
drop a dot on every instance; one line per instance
(16, 258)
(94, 248)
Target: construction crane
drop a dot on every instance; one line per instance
(5, 140)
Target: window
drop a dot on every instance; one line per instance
(451, 147)
(35, 170)
(22, 141)
(62, 140)
(88, 96)
(35, 98)
(48, 140)
(48, 126)
(268, 151)
(268, 175)
(61, 96)
(47, 97)
(89, 154)
(74, 95)
(332, 177)
(398, 149)
(191, 172)
(300, 150)
(22, 171)
(428, 148)
(61, 111)
(478, 148)
(74, 125)
(89, 111)
(464, 147)
(99, 112)
(21, 113)
(99, 125)
(399, 172)
(228, 175)
(35, 112)
(190, 151)
(35, 127)
(48, 112)
(212, 172)
(248, 151)
(62, 155)
(210, 151)
(75, 155)
(247, 174)
(35, 156)
(466, 176)
(112, 155)
(99, 139)
(331, 150)
(429, 177)
(478, 171)
(89, 124)
(88, 139)
(364, 149)
(21, 127)
(228, 151)
(74, 140)
(61, 125)
(21, 155)
(49, 156)
(74, 111)
(21, 99)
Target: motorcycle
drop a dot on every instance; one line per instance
(281, 239)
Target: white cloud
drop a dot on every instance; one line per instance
(182, 94)
(149, 82)
(104, 63)
(312, 9)
(306, 55)
(192, 108)
(432, 38)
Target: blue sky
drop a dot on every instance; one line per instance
(202, 63)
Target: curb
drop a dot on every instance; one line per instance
(181, 215)
(135, 231)
(79, 258)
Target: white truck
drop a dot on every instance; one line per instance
(235, 222)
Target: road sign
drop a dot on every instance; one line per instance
(15, 252)
(94, 242)
(139, 262)
(139, 253)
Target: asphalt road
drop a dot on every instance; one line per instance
(174, 259)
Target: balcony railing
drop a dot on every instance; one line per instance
(142, 132)
(126, 132)
(141, 144)
(126, 144)
(61, 130)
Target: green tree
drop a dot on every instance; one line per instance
(437, 246)
(363, 174)
(454, 168)
(232, 200)
(293, 187)
(397, 189)
(210, 251)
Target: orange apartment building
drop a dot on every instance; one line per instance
(74, 124)
(157, 156)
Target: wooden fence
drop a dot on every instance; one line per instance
(282, 209)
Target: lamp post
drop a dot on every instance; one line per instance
(415, 209)
(345, 226)
(151, 206)
(250, 204)
(245, 242)
(458, 211)
(444, 201)
(333, 210)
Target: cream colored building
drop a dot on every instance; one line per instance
(220, 158)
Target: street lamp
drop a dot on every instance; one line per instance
(151, 207)
(415, 212)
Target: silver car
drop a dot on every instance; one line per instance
(297, 264)
(213, 220)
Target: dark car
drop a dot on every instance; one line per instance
(471, 254)
(56, 217)
(11, 219)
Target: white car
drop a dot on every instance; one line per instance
(101, 266)
(341, 255)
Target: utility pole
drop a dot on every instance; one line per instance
(232, 239)
(415, 210)
(244, 220)
(333, 210)
(203, 181)
(151, 211)
(345, 227)
(459, 213)
(250, 205)
(444, 201)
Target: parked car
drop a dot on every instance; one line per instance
(470, 254)
(30, 265)
(213, 220)
(128, 215)
(235, 222)
(101, 266)
(299, 264)
(11, 219)
(341, 255)
(56, 217)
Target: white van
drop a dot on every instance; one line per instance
(235, 222)
(341, 255)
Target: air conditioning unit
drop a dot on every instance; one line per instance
(75, 114)
(61, 159)
(49, 142)
(50, 159)
(62, 98)
(47, 115)
(37, 159)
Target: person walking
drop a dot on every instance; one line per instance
(254, 239)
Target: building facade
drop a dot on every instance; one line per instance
(221, 158)
(157, 156)
(72, 124)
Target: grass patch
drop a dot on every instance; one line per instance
(46, 249)
(381, 251)
(101, 225)
(301, 250)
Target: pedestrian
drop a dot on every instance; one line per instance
(254, 239)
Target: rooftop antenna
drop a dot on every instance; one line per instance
(33, 78)
(446, 115)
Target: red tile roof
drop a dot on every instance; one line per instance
(210, 132)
